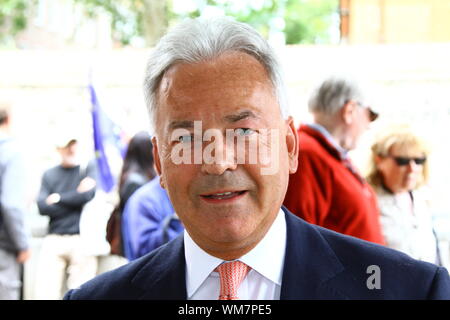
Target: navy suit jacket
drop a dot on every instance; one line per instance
(319, 264)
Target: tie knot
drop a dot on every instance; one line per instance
(231, 276)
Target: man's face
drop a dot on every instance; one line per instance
(69, 154)
(226, 206)
(359, 125)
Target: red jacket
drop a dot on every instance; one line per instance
(325, 192)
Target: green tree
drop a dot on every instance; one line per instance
(132, 18)
(302, 21)
(309, 21)
(262, 16)
(13, 17)
(305, 21)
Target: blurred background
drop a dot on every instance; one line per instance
(51, 51)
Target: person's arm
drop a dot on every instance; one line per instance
(13, 199)
(78, 198)
(128, 189)
(85, 190)
(174, 228)
(141, 227)
(46, 205)
(151, 231)
(45, 190)
(91, 170)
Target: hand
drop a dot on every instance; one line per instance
(86, 184)
(23, 255)
(53, 198)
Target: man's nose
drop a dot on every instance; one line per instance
(218, 158)
(218, 168)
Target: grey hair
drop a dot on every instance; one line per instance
(333, 94)
(197, 40)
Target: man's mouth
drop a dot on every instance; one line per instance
(223, 195)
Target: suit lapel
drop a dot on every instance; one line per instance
(166, 279)
(309, 263)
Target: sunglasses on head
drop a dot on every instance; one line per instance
(404, 161)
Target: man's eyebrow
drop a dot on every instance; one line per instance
(241, 116)
(181, 124)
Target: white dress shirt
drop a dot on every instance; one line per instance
(266, 259)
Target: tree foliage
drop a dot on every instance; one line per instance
(13, 16)
(127, 16)
(132, 18)
(302, 21)
(309, 21)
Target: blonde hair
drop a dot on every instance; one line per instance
(402, 136)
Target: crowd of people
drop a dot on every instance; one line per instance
(188, 228)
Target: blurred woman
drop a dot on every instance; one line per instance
(137, 166)
(137, 169)
(399, 174)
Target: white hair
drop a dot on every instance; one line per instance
(197, 40)
(333, 93)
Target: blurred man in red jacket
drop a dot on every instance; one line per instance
(327, 190)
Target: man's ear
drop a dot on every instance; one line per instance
(157, 161)
(292, 143)
(348, 112)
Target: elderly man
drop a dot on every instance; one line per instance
(326, 189)
(216, 96)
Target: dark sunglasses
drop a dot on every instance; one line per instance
(404, 161)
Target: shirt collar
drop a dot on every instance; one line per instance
(200, 264)
(330, 139)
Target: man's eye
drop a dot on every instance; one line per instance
(243, 131)
(185, 138)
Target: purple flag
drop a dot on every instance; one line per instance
(104, 130)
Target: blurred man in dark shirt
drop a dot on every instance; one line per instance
(65, 189)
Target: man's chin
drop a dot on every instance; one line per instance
(224, 231)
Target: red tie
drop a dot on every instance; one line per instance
(231, 276)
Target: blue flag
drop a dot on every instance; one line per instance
(105, 131)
